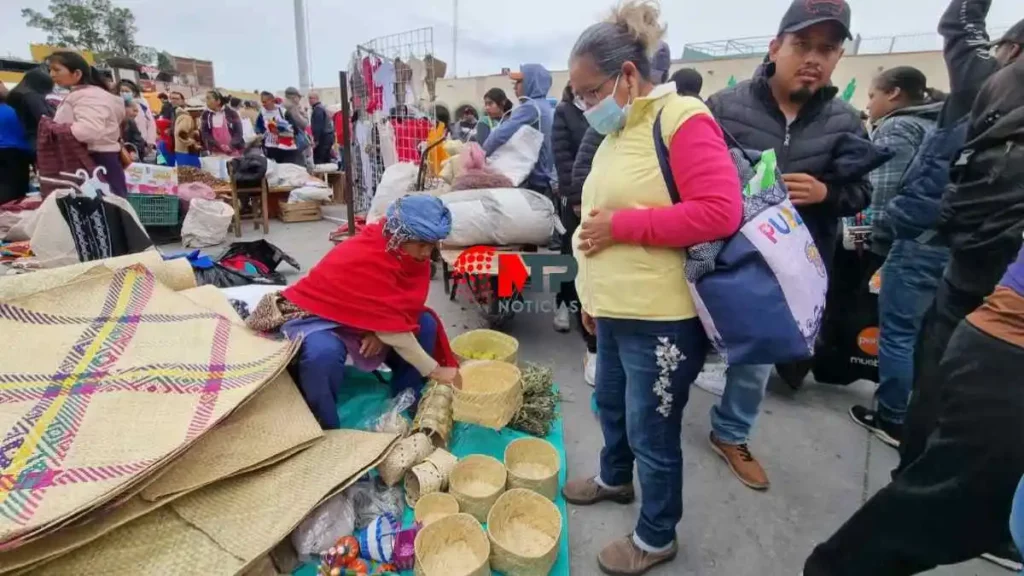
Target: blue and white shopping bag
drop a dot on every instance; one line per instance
(761, 293)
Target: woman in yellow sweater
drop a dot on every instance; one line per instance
(651, 344)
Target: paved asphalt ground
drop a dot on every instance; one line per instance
(822, 466)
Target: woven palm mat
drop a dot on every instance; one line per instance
(109, 377)
(226, 526)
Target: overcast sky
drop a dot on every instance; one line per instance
(252, 42)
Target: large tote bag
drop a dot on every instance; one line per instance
(761, 293)
(517, 157)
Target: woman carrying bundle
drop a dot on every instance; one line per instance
(366, 300)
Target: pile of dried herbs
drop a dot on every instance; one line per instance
(540, 401)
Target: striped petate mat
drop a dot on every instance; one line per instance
(105, 379)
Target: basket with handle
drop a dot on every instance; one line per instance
(524, 529)
(434, 415)
(420, 480)
(533, 464)
(491, 394)
(455, 545)
(476, 482)
(485, 345)
(444, 461)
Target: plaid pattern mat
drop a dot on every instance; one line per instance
(102, 381)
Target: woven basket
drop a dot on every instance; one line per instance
(485, 345)
(491, 394)
(476, 482)
(524, 529)
(455, 545)
(434, 415)
(433, 507)
(444, 461)
(421, 480)
(408, 453)
(533, 464)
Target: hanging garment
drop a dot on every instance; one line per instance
(385, 78)
(374, 92)
(388, 151)
(403, 83)
(364, 138)
(71, 229)
(409, 133)
(437, 154)
(418, 82)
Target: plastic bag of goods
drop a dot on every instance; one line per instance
(500, 217)
(206, 223)
(217, 166)
(324, 526)
(397, 181)
(473, 172)
(194, 190)
(309, 194)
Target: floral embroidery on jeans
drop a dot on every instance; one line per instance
(668, 358)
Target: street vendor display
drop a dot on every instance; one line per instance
(367, 300)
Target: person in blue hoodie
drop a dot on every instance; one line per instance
(15, 152)
(533, 82)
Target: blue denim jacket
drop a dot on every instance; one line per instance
(915, 209)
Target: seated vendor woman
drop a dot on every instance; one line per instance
(366, 301)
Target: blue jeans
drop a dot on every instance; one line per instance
(733, 418)
(321, 370)
(1017, 517)
(910, 278)
(644, 371)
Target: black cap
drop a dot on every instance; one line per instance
(806, 13)
(1015, 35)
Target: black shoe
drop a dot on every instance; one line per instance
(891, 434)
(1006, 556)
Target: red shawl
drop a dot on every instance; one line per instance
(362, 285)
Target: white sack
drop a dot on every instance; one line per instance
(309, 194)
(397, 181)
(206, 223)
(517, 157)
(217, 166)
(501, 216)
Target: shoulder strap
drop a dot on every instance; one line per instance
(663, 156)
(666, 168)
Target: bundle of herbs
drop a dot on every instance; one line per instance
(540, 401)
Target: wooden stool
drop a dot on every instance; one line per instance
(262, 190)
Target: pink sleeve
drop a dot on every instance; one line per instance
(711, 207)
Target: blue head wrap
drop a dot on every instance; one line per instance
(418, 217)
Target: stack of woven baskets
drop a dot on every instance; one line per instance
(492, 391)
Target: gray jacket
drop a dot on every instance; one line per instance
(749, 112)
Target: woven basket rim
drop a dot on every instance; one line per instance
(539, 443)
(429, 503)
(446, 527)
(540, 501)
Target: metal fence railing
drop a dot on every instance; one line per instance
(739, 47)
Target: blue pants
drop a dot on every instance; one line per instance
(910, 278)
(1017, 517)
(644, 372)
(321, 370)
(734, 416)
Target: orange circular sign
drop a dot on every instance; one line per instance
(867, 341)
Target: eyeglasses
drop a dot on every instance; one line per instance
(590, 98)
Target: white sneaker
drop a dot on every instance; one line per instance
(590, 368)
(562, 319)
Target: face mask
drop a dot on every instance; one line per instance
(127, 97)
(607, 116)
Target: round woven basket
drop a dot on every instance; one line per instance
(476, 482)
(533, 464)
(485, 345)
(421, 480)
(409, 452)
(444, 461)
(491, 394)
(455, 545)
(524, 528)
(433, 507)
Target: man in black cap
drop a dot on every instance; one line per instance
(790, 106)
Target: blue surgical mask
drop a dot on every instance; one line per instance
(127, 97)
(607, 116)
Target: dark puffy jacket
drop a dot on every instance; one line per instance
(581, 167)
(323, 127)
(968, 57)
(566, 137)
(982, 214)
(750, 113)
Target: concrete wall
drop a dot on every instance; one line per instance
(456, 92)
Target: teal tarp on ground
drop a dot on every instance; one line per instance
(364, 397)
